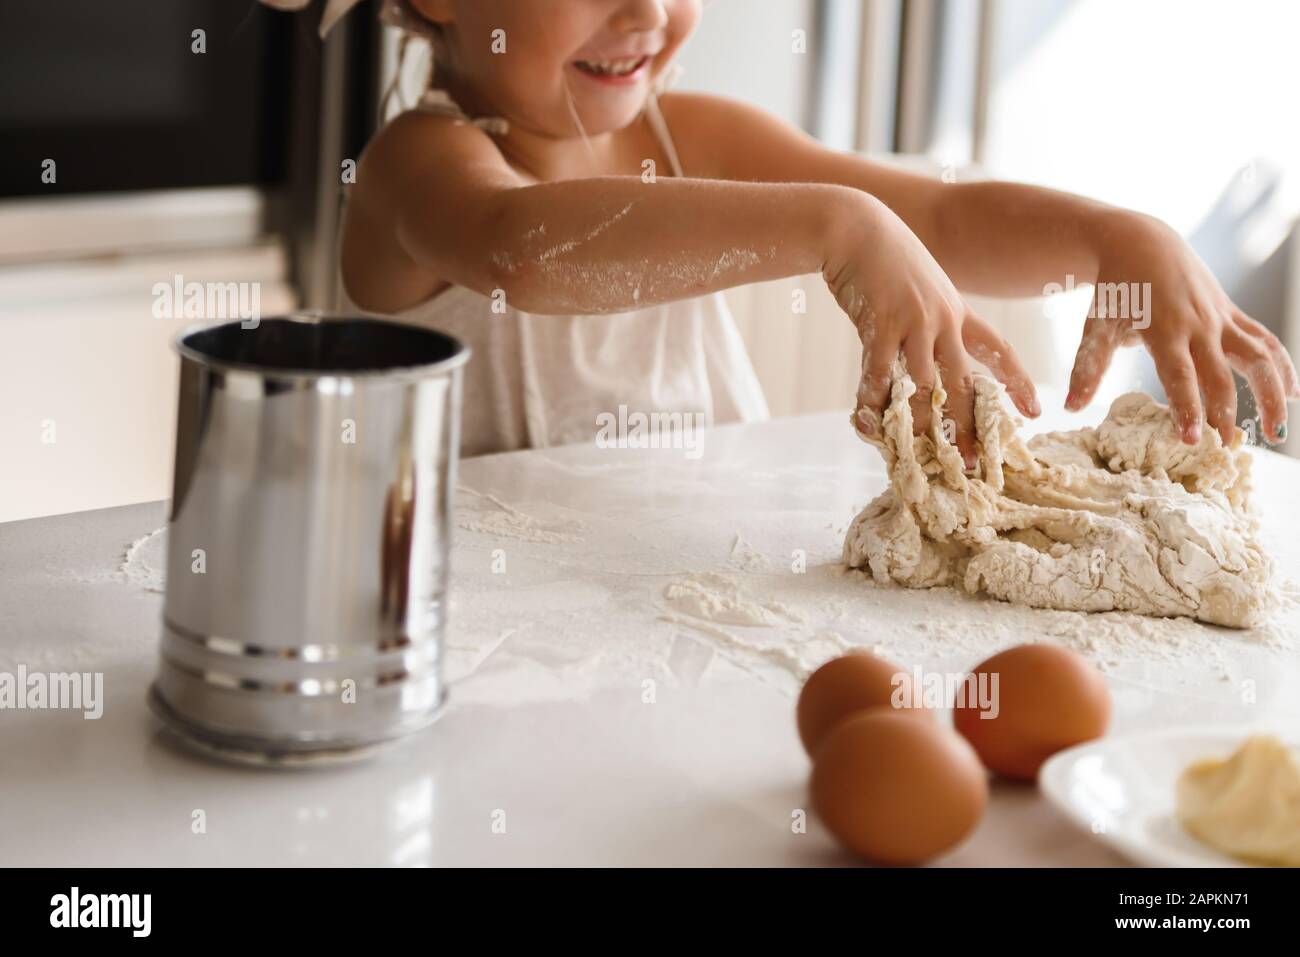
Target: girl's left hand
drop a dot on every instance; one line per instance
(1192, 329)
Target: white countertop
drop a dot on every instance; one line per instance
(552, 663)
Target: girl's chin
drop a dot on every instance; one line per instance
(598, 118)
(606, 113)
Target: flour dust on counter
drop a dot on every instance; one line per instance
(140, 564)
(133, 573)
(1123, 517)
(706, 601)
(798, 658)
(505, 521)
(946, 623)
(572, 628)
(747, 558)
(144, 561)
(721, 598)
(590, 599)
(832, 609)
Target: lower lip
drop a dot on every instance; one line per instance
(609, 79)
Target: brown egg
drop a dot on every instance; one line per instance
(1040, 699)
(842, 687)
(896, 790)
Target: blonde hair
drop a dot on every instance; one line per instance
(404, 16)
(417, 29)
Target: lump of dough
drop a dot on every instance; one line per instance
(1247, 806)
(1138, 434)
(1124, 517)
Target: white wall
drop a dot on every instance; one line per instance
(87, 373)
(742, 48)
(1185, 109)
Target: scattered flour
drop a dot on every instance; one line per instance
(951, 626)
(708, 600)
(718, 598)
(747, 558)
(141, 567)
(94, 654)
(1108, 638)
(144, 562)
(799, 657)
(509, 522)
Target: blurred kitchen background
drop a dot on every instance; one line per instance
(223, 166)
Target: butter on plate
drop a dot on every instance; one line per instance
(1248, 805)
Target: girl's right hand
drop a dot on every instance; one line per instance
(901, 300)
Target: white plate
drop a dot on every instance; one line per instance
(1121, 790)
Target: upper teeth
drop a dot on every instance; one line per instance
(617, 67)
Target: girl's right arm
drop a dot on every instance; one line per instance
(611, 244)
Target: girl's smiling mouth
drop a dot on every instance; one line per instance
(616, 71)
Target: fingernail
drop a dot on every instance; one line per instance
(1193, 432)
(1069, 399)
(1281, 432)
(1034, 408)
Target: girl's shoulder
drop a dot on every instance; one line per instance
(416, 142)
(707, 129)
(419, 161)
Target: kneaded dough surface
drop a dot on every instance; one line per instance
(1123, 517)
(1247, 806)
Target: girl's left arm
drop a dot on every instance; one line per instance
(1007, 239)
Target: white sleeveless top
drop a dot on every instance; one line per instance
(541, 380)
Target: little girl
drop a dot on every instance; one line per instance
(536, 205)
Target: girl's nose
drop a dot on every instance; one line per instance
(640, 16)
